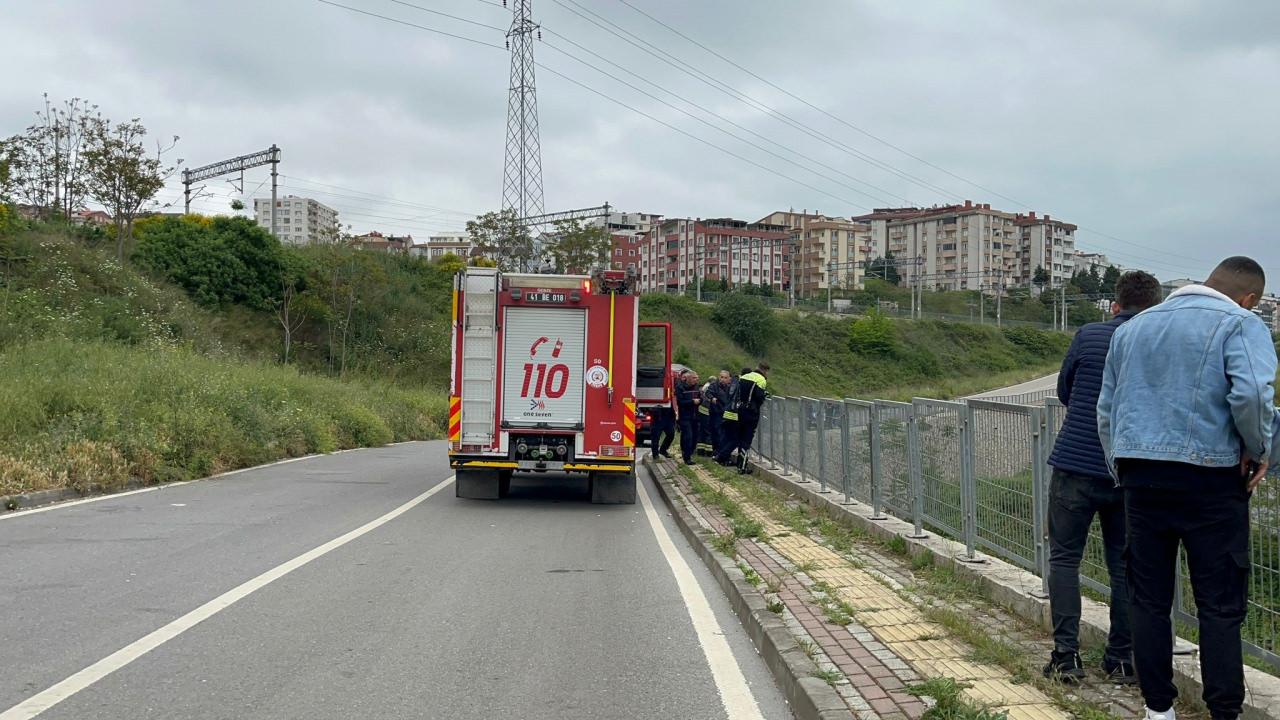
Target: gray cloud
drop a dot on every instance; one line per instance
(1152, 122)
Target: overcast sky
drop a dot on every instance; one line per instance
(1151, 124)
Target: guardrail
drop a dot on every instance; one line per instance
(977, 471)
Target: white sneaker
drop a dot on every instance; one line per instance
(1166, 715)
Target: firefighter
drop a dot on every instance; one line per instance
(688, 400)
(662, 430)
(706, 437)
(715, 398)
(752, 392)
(729, 422)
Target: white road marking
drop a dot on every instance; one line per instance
(38, 703)
(735, 694)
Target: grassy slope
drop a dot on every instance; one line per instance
(106, 374)
(811, 356)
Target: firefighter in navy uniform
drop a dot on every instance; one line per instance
(688, 399)
(705, 412)
(752, 392)
(729, 423)
(715, 400)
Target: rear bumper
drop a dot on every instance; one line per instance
(465, 463)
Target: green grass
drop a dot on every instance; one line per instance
(949, 704)
(829, 676)
(811, 354)
(79, 413)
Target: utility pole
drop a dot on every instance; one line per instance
(999, 297)
(275, 173)
(831, 269)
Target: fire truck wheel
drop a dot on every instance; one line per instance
(478, 484)
(613, 488)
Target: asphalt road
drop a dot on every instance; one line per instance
(538, 606)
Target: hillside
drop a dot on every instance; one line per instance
(108, 372)
(811, 354)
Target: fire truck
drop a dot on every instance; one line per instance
(544, 380)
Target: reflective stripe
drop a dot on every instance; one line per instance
(703, 410)
(730, 415)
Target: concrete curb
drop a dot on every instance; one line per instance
(1011, 587)
(809, 697)
(26, 501)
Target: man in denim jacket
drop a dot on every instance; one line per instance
(1186, 418)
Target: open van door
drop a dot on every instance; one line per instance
(653, 376)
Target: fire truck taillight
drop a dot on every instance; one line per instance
(586, 287)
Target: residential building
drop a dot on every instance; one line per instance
(958, 247)
(90, 217)
(627, 252)
(676, 253)
(829, 253)
(299, 220)
(625, 223)
(1269, 310)
(878, 220)
(1169, 287)
(375, 240)
(1045, 243)
(1085, 262)
(437, 246)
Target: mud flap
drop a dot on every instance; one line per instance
(613, 488)
(479, 484)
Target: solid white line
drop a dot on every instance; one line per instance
(735, 694)
(36, 704)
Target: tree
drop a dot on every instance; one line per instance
(122, 175)
(1041, 277)
(46, 165)
(747, 320)
(449, 263)
(482, 261)
(1109, 278)
(1088, 281)
(884, 269)
(218, 261)
(237, 204)
(501, 235)
(295, 303)
(578, 248)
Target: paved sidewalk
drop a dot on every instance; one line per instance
(865, 618)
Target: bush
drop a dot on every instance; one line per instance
(747, 320)
(223, 261)
(873, 334)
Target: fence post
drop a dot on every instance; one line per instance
(804, 464)
(821, 410)
(877, 501)
(1039, 498)
(968, 485)
(846, 478)
(915, 469)
(772, 404)
(782, 406)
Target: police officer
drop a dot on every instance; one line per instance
(752, 392)
(688, 400)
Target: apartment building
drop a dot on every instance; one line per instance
(626, 223)
(1086, 262)
(829, 253)
(299, 220)
(374, 240)
(627, 252)
(1269, 310)
(878, 221)
(438, 246)
(1046, 243)
(959, 247)
(676, 253)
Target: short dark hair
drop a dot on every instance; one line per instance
(763, 366)
(1238, 275)
(1137, 290)
(745, 371)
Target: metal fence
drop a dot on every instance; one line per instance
(977, 471)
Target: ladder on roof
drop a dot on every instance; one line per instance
(479, 355)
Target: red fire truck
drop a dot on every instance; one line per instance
(544, 379)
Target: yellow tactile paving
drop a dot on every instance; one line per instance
(895, 616)
(1035, 712)
(897, 622)
(957, 669)
(890, 634)
(929, 649)
(999, 691)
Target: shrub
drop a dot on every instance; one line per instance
(747, 320)
(873, 334)
(228, 260)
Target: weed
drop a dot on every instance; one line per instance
(836, 615)
(750, 574)
(949, 704)
(726, 543)
(748, 528)
(773, 584)
(830, 676)
(808, 647)
(921, 561)
(775, 606)
(896, 545)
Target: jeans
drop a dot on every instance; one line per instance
(688, 433)
(1073, 501)
(1212, 524)
(663, 430)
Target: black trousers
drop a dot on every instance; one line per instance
(748, 420)
(1212, 524)
(663, 430)
(1073, 501)
(688, 433)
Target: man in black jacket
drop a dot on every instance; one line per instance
(688, 399)
(1082, 487)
